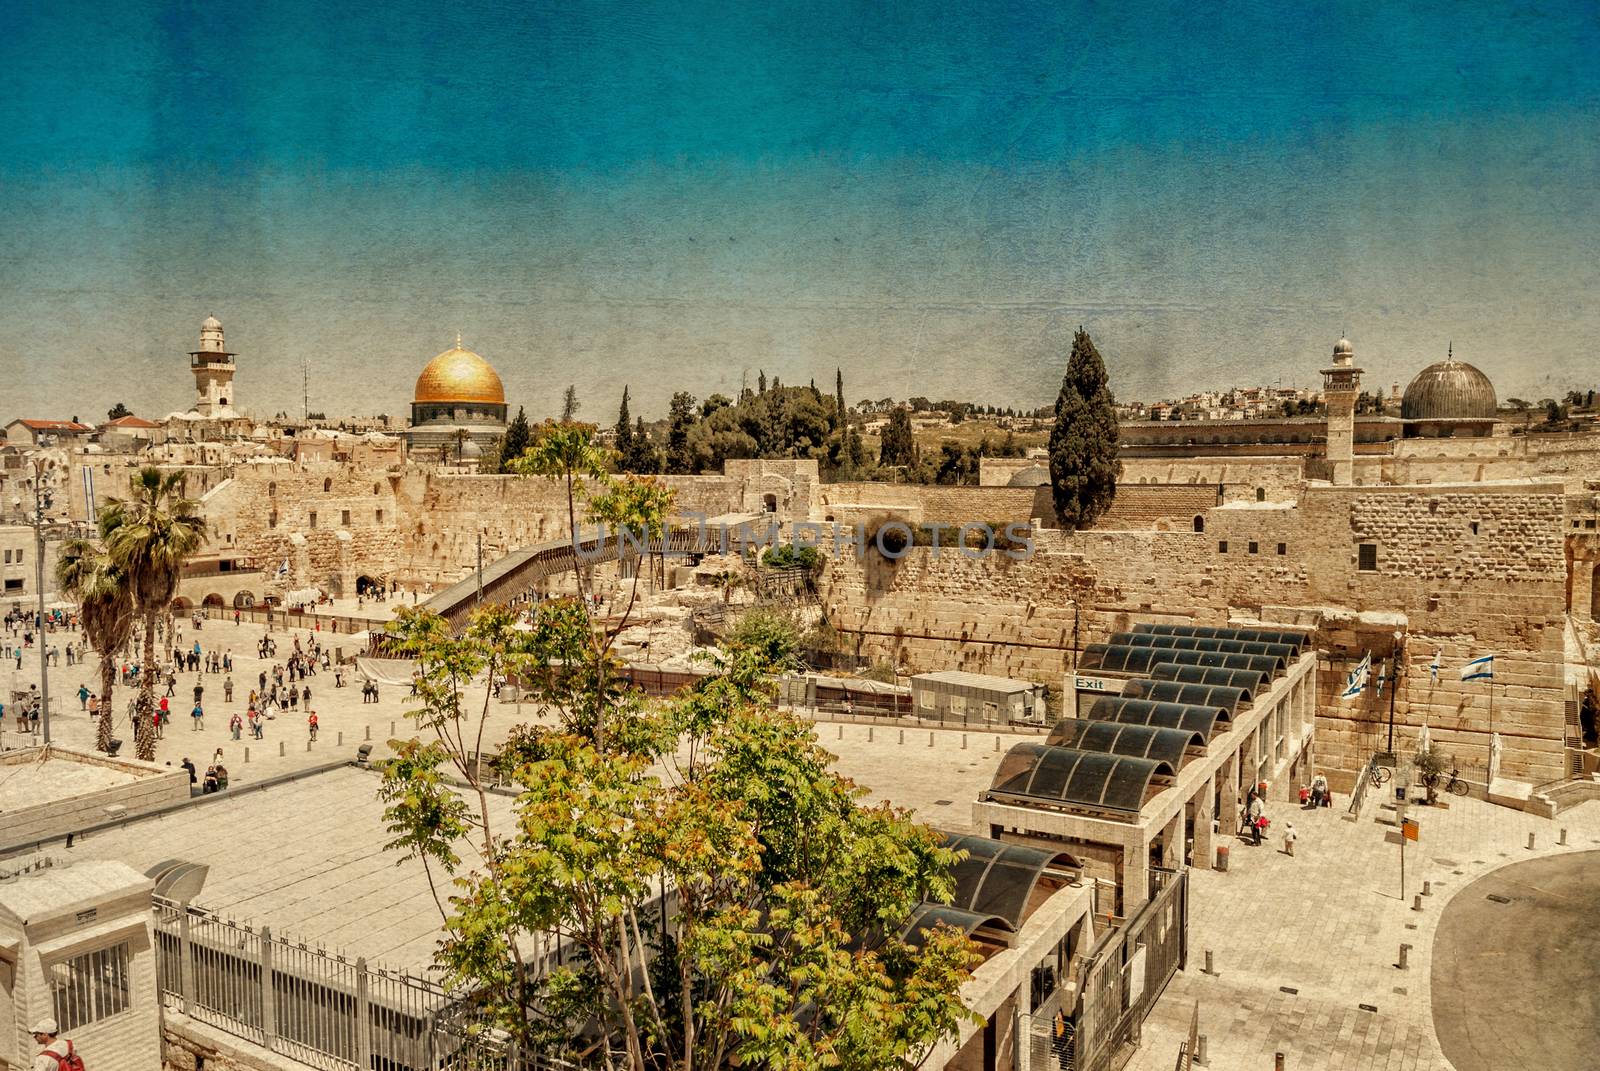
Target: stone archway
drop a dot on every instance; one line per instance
(181, 603)
(213, 600)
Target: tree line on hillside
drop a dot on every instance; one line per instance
(776, 421)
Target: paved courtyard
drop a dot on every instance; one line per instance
(1328, 925)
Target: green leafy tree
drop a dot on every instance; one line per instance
(148, 538)
(106, 607)
(1083, 443)
(514, 443)
(116, 412)
(897, 446)
(568, 454)
(642, 456)
(788, 892)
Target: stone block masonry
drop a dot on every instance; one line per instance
(1470, 569)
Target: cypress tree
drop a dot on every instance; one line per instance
(838, 395)
(624, 432)
(680, 458)
(570, 404)
(761, 381)
(515, 441)
(897, 446)
(1083, 444)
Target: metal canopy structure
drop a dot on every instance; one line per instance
(1287, 651)
(1040, 773)
(1126, 738)
(1250, 682)
(925, 916)
(1227, 632)
(1202, 695)
(1192, 719)
(998, 878)
(1117, 657)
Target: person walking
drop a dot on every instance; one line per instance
(1288, 839)
(235, 724)
(227, 689)
(311, 724)
(199, 716)
(93, 707)
(172, 682)
(83, 697)
(55, 1052)
(255, 723)
(1252, 816)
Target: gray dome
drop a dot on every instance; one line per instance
(1032, 476)
(1449, 390)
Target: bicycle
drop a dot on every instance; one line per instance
(1378, 775)
(1456, 786)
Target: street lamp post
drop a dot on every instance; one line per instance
(41, 502)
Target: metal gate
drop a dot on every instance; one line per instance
(1122, 979)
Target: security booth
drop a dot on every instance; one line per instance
(75, 947)
(976, 699)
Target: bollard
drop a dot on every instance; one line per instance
(1427, 888)
(340, 741)
(369, 733)
(1200, 1050)
(280, 749)
(391, 728)
(247, 754)
(869, 734)
(841, 730)
(964, 747)
(1404, 951)
(1530, 842)
(1277, 1061)
(902, 736)
(1211, 967)
(997, 743)
(1416, 902)
(1563, 840)
(930, 739)
(308, 744)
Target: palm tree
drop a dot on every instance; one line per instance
(106, 607)
(149, 536)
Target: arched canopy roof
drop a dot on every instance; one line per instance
(1076, 779)
(1204, 695)
(1228, 632)
(1287, 651)
(1251, 682)
(1126, 738)
(1191, 719)
(926, 915)
(1119, 657)
(997, 877)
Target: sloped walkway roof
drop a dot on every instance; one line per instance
(1126, 738)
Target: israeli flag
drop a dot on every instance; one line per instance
(283, 570)
(1433, 667)
(1479, 669)
(1356, 683)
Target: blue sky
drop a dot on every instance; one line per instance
(673, 196)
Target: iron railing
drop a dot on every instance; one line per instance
(321, 1008)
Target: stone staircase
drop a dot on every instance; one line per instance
(1564, 795)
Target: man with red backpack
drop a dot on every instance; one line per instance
(55, 1054)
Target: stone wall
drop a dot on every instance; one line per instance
(930, 503)
(71, 809)
(1500, 589)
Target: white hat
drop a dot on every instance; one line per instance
(45, 1026)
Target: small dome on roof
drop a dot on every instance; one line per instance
(1343, 348)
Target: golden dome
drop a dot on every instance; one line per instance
(459, 375)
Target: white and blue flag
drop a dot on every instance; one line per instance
(1356, 683)
(1479, 669)
(1383, 675)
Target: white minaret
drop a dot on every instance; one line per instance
(213, 371)
(1341, 383)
